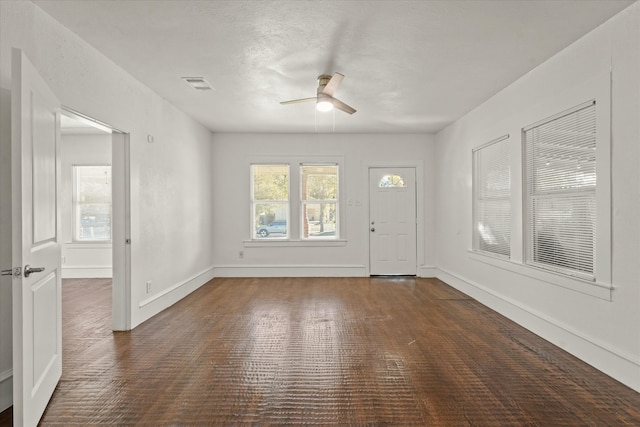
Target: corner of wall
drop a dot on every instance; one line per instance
(6, 389)
(154, 304)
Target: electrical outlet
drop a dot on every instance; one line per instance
(148, 286)
(241, 254)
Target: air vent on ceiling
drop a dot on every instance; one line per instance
(198, 83)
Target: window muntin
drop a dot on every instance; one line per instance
(492, 197)
(560, 162)
(270, 200)
(319, 201)
(92, 203)
(392, 181)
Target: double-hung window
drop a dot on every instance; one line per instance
(295, 201)
(270, 200)
(92, 203)
(560, 192)
(492, 198)
(319, 201)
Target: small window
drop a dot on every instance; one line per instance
(392, 181)
(492, 197)
(270, 200)
(92, 203)
(319, 187)
(561, 191)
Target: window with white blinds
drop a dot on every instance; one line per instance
(560, 193)
(492, 197)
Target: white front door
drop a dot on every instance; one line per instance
(392, 221)
(37, 311)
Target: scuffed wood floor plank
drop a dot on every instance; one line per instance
(322, 351)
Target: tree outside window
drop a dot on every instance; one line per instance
(319, 200)
(270, 200)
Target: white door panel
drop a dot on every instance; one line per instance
(37, 314)
(392, 218)
(43, 125)
(45, 334)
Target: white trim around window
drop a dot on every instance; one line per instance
(295, 231)
(91, 203)
(599, 284)
(492, 198)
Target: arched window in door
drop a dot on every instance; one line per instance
(392, 181)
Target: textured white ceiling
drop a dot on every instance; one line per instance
(410, 66)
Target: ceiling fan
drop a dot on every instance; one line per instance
(327, 86)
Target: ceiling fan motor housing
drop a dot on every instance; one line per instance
(322, 82)
(327, 86)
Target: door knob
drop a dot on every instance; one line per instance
(28, 270)
(373, 229)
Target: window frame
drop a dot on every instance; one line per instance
(304, 202)
(597, 87)
(253, 202)
(294, 225)
(558, 195)
(75, 230)
(504, 139)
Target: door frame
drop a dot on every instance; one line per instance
(418, 165)
(121, 221)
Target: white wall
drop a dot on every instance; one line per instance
(171, 190)
(604, 333)
(232, 154)
(82, 259)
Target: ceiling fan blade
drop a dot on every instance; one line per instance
(333, 84)
(297, 101)
(342, 106)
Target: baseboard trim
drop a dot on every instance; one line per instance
(6, 389)
(622, 367)
(290, 271)
(186, 287)
(153, 305)
(86, 272)
(427, 271)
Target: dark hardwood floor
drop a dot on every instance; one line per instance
(322, 351)
(6, 417)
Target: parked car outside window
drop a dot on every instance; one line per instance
(278, 226)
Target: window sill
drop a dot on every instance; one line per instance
(596, 289)
(293, 243)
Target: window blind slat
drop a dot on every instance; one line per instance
(492, 204)
(561, 182)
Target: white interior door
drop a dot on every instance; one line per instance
(37, 311)
(392, 221)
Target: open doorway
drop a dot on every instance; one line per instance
(85, 199)
(94, 207)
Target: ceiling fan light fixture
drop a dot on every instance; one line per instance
(324, 99)
(324, 105)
